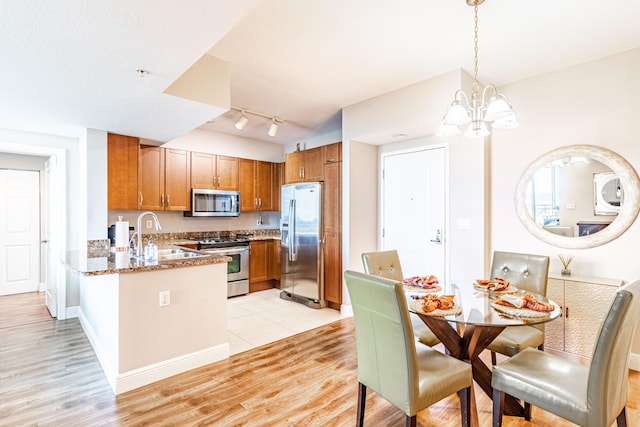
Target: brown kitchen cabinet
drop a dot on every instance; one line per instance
(304, 166)
(164, 179)
(214, 172)
(256, 186)
(278, 179)
(332, 232)
(260, 265)
(122, 172)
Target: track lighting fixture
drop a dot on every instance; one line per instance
(273, 129)
(243, 120)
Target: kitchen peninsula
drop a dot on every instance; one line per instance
(148, 321)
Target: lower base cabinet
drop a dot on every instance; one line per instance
(264, 255)
(584, 302)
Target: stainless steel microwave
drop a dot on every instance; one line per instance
(206, 202)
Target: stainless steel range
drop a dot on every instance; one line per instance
(238, 268)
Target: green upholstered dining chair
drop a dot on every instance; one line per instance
(387, 264)
(529, 273)
(410, 375)
(589, 396)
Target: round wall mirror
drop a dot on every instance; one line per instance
(579, 196)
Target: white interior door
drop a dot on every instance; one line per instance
(19, 231)
(414, 210)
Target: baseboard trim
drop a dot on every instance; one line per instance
(127, 381)
(168, 368)
(73, 312)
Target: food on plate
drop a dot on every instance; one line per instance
(433, 302)
(496, 284)
(421, 281)
(526, 300)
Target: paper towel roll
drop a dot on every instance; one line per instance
(122, 235)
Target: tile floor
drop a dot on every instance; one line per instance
(262, 317)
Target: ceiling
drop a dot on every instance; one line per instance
(70, 64)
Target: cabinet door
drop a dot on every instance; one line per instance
(258, 261)
(332, 233)
(247, 185)
(151, 178)
(203, 169)
(313, 164)
(264, 186)
(586, 307)
(278, 179)
(227, 173)
(332, 267)
(293, 163)
(275, 260)
(554, 330)
(333, 152)
(177, 180)
(122, 172)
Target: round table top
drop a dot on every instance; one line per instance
(476, 308)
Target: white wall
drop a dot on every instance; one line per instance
(594, 103)
(206, 141)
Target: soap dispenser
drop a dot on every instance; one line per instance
(150, 251)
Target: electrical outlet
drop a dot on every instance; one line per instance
(149, 224)
(165, 298)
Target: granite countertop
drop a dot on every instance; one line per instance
(95, 262)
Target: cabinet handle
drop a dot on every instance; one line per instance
(566, 312)
(168, 203)
(218, 181)
(302, 173)
(141, 198)
(162, 200)
(259, 202)
(255, 203)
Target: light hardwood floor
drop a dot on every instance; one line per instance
(49, 376)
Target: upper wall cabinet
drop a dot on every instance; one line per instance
(304, 166)
(256, 186)
(122, 176)
(214, 172)
(164, 179)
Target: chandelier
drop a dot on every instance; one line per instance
(490, 107)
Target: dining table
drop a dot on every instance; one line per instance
(472, 325)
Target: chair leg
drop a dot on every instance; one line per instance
(411, 421)
(493, 357)
(498, 407)
(622, 417)
(362, 399)
(465, 406)
(527, 411)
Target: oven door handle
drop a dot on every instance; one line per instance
(225, 250)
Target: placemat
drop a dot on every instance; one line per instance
(519, 312)
(417, 307)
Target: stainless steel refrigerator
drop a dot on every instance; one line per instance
(301, 263)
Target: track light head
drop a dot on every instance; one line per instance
(273, 129)
(242, 121)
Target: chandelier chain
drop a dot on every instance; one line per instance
(476, 84)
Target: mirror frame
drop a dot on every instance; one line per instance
(627, 215)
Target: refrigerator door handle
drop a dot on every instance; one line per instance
(293, 245)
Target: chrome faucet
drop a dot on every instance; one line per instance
(139, 228)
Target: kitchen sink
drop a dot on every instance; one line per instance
(172, 254)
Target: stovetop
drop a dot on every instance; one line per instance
(223, 242)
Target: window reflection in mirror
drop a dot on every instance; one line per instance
(608, 194)
(560, 197)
